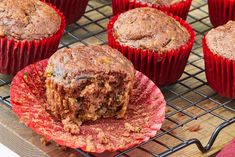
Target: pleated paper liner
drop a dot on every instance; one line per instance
(162, 68)
(221, 11)
(15, 55)
(228, 150)
(145, 114)
(72, 9)
(220, 72)
(180, 9)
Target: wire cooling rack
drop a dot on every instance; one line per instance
(190, 101)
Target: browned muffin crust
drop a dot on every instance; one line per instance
(27, 19)
(160, 2)
(86, 83)
(148, 28)
(221, 40)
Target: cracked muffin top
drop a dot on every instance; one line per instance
(221, 40)
(149, 28)
(27, 19)
(68, 63)
(161, 2)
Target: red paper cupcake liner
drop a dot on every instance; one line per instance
(15, 55)
(71, 9)
(221, 11)
(228, 150)
(220, 72)
(145, 114)
(162, 68)
(180, 9)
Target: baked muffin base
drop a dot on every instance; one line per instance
(220, 72)
(17, 54)
(162, 68)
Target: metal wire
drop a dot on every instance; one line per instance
(91, 29)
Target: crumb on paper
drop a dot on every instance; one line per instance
(88, 148)
(70, 126)
(126, 134)
(130, 128)
(89, 143)
(194, 128)
(102, 138)
(44, 141)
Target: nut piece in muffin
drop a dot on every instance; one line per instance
(27, 20)
(160, 2)
(149, 28)
(86, 83)
(221, 40)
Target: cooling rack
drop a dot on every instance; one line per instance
(196, 116)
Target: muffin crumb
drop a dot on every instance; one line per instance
(62, 148)
(130, 128)
(194, 128)
(44, 141)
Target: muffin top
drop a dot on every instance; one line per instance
(221, 40)
(68, 63)
(161, 2)
(149, 28)
(27, 19)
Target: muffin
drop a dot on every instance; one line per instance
(71, 9)
(30, 30)
(143, 118)
(158, 44)
(218, 47)
(221, 11)
(176, 7)
(87, 83)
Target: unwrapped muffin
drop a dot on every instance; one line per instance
(30, 30)
(156, 43)
(176, 7)
(71, 9)
(221, 11)
(219, 56)
(86, 83)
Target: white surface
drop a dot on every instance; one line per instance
(6, 152)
